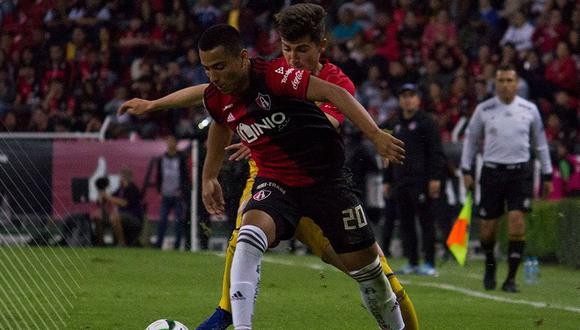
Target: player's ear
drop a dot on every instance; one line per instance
(244, 56)
(323, 44)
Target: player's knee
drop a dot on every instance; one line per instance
(253, 236)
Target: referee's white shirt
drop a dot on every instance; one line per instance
(508, 131)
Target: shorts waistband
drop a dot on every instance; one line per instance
(509, 167)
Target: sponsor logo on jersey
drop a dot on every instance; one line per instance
(263, 101)
(231, 117)
(280, 70)
(286, 75)
(250, 133)
(297, 79)
(262, 194)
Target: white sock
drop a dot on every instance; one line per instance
(245, 275)
(378, 297)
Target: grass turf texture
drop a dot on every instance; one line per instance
(111, 288)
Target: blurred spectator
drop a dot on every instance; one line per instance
(339, 55)
(519, 32)
(57, 102)
(191, 69)
(76, 47)
(548, 34)
(347, 28)
(206, 13)
(566, 108)
(123, 210)
(562, 168)
(173, 185)
(562, 70)
(8, 122)
(533, 72)
(440, 31)
(363, 11)
(384, 36)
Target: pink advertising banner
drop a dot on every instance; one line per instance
(77, 164)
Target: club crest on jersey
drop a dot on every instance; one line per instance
(263, 101)
(262, 194)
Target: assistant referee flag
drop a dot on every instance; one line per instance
(459, 235)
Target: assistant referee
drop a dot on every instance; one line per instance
(509, 126)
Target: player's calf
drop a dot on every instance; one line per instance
(378, 297)
(245, 274)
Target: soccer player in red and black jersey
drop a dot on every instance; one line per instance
(300, 159)
(302, 30)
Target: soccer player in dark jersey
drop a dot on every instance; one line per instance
(296, 176)
(300, 159)
(302, 30)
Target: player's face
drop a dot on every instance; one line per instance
(303, 53)
(506, 84)
(226, 71)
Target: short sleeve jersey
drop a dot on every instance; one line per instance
(332, 74)
(290, 138)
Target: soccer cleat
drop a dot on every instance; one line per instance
(427, 269)
(510, 286)
(219, 320)
(407, 270)
(489, 282)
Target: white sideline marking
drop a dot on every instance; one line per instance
(477, 294)
(442, 286)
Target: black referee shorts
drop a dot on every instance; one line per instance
(334, 207)
(505, 185)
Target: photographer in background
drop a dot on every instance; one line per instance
(123, 211)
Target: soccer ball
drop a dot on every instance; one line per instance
(166, 325)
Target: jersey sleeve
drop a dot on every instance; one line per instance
(472, 135)
(344, 82)
(211, 103)
(540, 142)
(286, 81)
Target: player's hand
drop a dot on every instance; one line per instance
(212, 196)
(389, 147)
(548, 188)
(468, 182)
(241, 151)
(434, 188)
(136, 107)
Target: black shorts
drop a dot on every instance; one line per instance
(334, 207)
(502, 185)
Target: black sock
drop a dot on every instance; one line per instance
(488, 249)
(515, 253)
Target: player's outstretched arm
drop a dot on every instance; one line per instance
(190, 96)
(387, 146)
(219, 137)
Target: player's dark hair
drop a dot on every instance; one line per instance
(221, 35)
(300, 20)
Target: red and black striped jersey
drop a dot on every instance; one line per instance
(291, 139)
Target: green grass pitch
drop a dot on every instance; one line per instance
(55, 288)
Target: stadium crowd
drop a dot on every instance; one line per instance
(67, 65)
